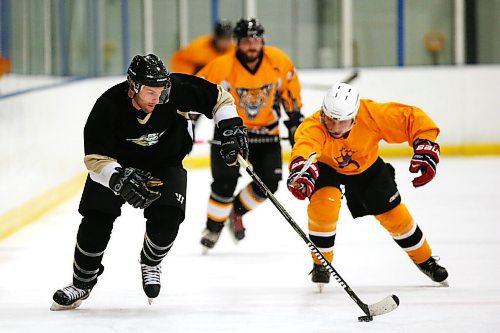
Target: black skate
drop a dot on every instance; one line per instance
(68, 298)
(436, 272)
(236, 226)
(151, 281)
(320, 275)
(209, 238)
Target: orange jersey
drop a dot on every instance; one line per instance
(258, 96)
(197, 54)
(392, 122)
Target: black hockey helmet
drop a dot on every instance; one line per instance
(223, 29)
(249, 27)
(149, 71)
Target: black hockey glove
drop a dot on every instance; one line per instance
(133, 185)
(234, 140)
(425, 159)
(295, 119)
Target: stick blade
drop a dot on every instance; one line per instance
(386, 305)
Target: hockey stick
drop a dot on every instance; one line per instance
(306, 166)
(217, 142)
(353, 76)
(382, 307)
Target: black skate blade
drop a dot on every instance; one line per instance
(150, 300)
(59, 307)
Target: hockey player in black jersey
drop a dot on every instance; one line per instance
(135, 138)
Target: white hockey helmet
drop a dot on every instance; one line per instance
(341, 102)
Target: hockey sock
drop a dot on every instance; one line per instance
(247, 200)
(160, 234)
(92, 238)
(323, 213)
(218, 211)
(407, 234)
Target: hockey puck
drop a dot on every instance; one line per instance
(365, 318)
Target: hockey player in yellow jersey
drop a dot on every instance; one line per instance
(262, 80)
(345, 134)
(191, 58)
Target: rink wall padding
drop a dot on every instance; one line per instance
(41, 131)
(36, 207)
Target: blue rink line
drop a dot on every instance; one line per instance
(44, 87)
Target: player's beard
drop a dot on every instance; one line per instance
(250, 56)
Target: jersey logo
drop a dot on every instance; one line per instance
(179, 197)
(345, 158)
(147, 140)
(253, 99)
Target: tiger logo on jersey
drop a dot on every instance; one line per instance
(345, 158)
(253, 99)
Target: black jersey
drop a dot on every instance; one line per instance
(113, 130)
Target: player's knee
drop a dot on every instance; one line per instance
(324, 207)
(397, 221)
(224, 187)
(272, 184)
(170, 214)
(163, 222)
(95, 230)
(96, 221)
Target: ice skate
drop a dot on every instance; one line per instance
(69, 298)
(209, 239)
(236, 226)
(436, 272)
(320, 275)
(151, 281)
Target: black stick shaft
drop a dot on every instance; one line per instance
(304, 237)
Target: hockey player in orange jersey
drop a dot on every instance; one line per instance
(203, 49)
(345, 134)
(262, 80)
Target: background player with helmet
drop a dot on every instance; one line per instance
(262, 79)
(345, 134)
(191, 58)
(136, 137)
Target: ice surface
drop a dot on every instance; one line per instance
(261, 284)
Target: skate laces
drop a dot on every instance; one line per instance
(73, 292)
(151, 274)
(433, 261)
(430, 265)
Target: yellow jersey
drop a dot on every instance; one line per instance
(392, 122)
(197, 54)
(258, 94)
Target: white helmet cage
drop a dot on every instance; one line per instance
(341, 102)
